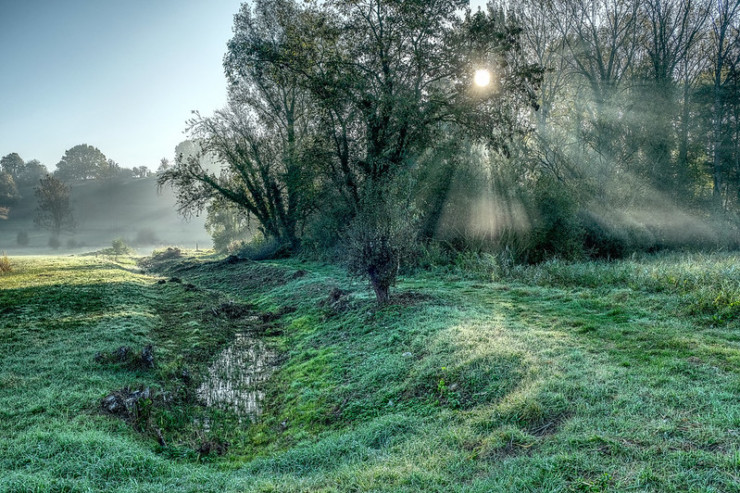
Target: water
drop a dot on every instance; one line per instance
(235, 379)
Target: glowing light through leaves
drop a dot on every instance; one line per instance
(482, 78)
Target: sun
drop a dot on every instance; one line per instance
(482, 77)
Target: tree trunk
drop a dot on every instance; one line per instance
(381, 285)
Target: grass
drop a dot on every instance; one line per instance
(612, 376)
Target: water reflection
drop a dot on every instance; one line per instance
(234, 380)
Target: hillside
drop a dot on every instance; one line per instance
(127, 208)
(559, 377)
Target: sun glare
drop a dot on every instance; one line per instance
(482, 77)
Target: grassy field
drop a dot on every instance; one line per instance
(621, 376)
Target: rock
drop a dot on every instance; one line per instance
(123, 402)
(147, 356)
(407, 354)
(122, 354)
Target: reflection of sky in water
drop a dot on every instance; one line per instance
(235, 378)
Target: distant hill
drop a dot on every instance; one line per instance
(105, 210)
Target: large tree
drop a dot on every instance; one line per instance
(12, 164)
(390, 78)
(263, 137)
(347, 98)
(83, 162)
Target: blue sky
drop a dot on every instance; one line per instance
(119, 75)
(122, 76)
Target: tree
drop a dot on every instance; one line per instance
(724, 44)
(8, 194)
(12, 164)
(263, 138)
(140, 172)
(53, 210)
(389, 78)
(83, 162)
(226, 223)
(31, 173)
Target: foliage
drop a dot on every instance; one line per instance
(120, 247)
(259, 247)
(226, 224)
(408, 84)
(32, 172)
(8, 190)
(12, 164)
(54, 211)
(84, 162)
(379, 239)
(263, 138)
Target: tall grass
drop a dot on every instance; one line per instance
(5, 267)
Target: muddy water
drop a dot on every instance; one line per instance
(235, 378)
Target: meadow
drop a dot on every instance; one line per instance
(596, 376)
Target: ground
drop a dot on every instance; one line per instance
(608, 376)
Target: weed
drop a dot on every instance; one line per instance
(5, 267)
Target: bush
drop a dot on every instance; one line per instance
(261, 248)
(54, 242)
(380, 238)
(556, 231)
(22, 238)
(119, 247)
(5, 266)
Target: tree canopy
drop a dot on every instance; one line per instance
(333, 105)
(84, 162)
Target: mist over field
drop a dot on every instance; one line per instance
(128, 209)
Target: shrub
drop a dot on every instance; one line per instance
(5, 266)
(119, 247)
(261, 248)
(379, 239)
(556, 231)
(22, 238)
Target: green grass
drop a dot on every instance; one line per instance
(620, 376)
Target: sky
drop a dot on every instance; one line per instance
(123, 76)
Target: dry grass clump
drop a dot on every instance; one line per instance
(5, 266)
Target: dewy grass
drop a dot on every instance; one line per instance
(610, 376)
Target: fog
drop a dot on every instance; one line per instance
(128, 209)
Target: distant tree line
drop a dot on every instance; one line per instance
(79, 163)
